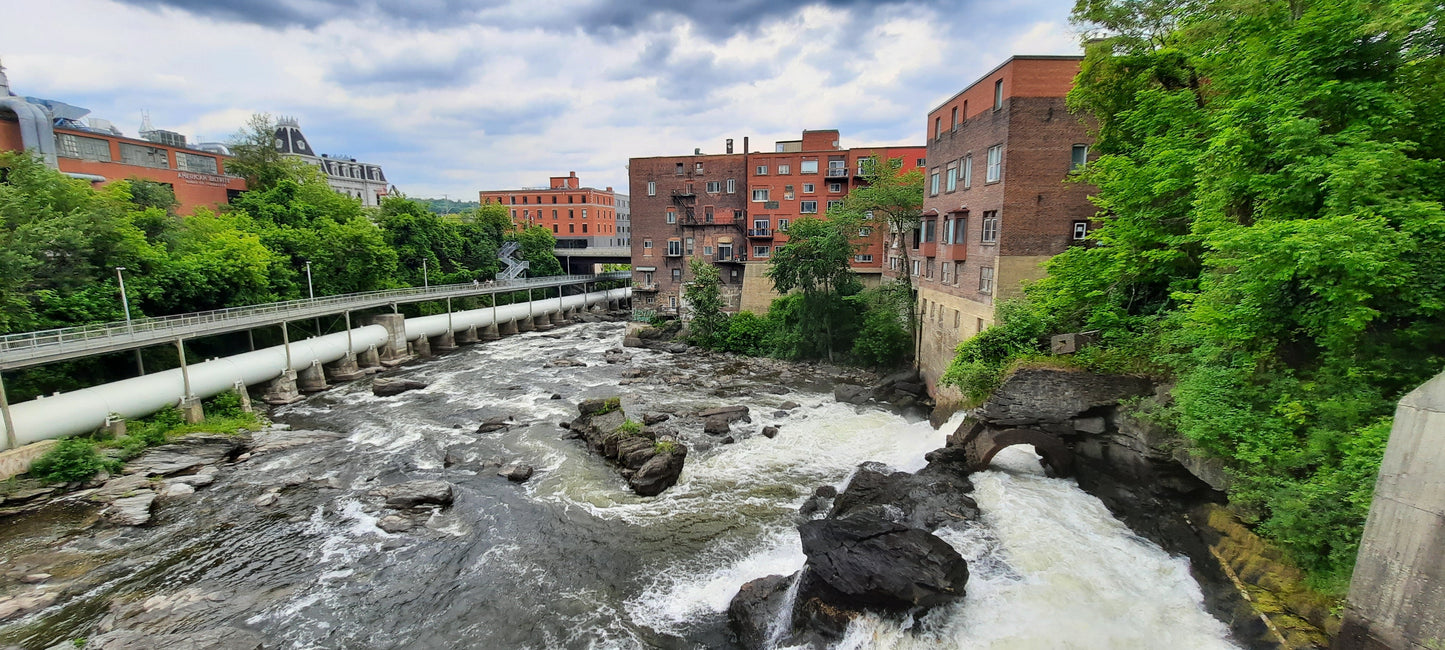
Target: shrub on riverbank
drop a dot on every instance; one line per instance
(71, 459)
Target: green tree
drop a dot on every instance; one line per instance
(255, 158)
(704, 297)
(816, 262)
(890, 200)
(537, 245)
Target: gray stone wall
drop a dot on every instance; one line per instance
(1397, 593)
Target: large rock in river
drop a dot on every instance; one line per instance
(416, 493)
(389, 387)
(650, 462)
(866, 560)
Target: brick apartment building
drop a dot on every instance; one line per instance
(733, 209)
(580, 217)
(997, 201)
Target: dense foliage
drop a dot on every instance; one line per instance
(71, 459)
(1270, 238)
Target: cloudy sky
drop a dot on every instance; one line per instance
(455, 96)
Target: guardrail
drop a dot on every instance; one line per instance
(29, 348)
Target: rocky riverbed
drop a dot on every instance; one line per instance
(461, 513)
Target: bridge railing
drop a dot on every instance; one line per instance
(148, 326)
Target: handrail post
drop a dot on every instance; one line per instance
(286, 340)
(347, 313)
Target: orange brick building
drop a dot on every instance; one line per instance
(998, 200)
(733, 210)
(580, 217)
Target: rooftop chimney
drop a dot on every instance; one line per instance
(730, 145)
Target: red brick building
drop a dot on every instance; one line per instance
(580, 217)
(997, 199)
(733, 209)
(102, 156)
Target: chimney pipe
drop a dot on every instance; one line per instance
(730, 145)
(697, 151)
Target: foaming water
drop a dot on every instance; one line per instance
(1052, 568)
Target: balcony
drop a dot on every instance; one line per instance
(731, 259)
(673, 253)
(760, 233)
(958, 252)
(837, 172)
(649, 287)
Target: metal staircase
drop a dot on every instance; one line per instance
(515, 267)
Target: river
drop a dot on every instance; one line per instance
(571, 559)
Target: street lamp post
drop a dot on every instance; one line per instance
(125, 304)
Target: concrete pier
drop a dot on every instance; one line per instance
(395, 351)
(1397, 593)
(541, 322)
(444, 342)
(191, 411)
(369, 360)
(559, 318)
(312, 378)
(468, 336)
(525, 324)
(282, 390)
(491, 332)
(421, 347)
(344, 369)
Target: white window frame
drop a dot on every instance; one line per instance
(732, 186)
(835, 187)
(988, 233)
(808, 188)
(995, 164)
(760, 195)
(652, 188)
(760, 170)
(933, 182)
(784, 170)
(1077, 161)
(985, 279)
(713, 187)
(968, 171)
(950, 182)
(808, 167)
(808, 207)
(1081, 230)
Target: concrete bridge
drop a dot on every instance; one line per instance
(287, 370)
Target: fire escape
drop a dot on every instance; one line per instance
(686, 202)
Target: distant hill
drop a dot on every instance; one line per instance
(447, 206)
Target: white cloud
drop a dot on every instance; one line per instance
(524, 94)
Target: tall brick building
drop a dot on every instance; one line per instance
(733, 209)
(580, 217)
(997, 200)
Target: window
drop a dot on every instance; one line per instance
(760, 195)
(678, 170)
(998, 94)
(807, 188)
(584, 213)
(74, 146)
(697, 167)
(584, 228)
(989, 233)
(651, 190)
(782, 225)
(571, 213)
(761, 170)
(674, 247)
(554, 213)
(937, 128)
(947, 234)
(835, 187)
(732, 185)
(788, 192)
(943, 273)
(933, 183)
(995, 164)
(955, 117)
(865, 231)
(784, 170)
(866, 258)
(808, 167)
(554, 228)
(689, 245)
(707, 214)
(957, 272)
(526, 214)
(950, 178)
(930, 228)
(190, 162)
(928, 270)
(671, 216)
(1081, 230)
(571, 227)
(1078, 157)
(724, 252)
(834, 203)
(967, 171)
(676, 276)
(139, 156)
(960, 230)
(760, 251)
(985, 280)
(713, 187)
(707, 250)
(917, 264)
(808, 207)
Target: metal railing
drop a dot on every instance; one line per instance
(759, 232)
(837, 172)
(31, 348)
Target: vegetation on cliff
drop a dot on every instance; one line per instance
(1270, 239)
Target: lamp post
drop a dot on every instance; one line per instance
(125, 304)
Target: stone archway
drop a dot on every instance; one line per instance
(983, 443)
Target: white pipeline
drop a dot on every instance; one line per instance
(87, 409)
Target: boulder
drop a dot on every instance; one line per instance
(190, 452)
(852, 394)
(131, 511)
(598, 406)
(717, 425)
(389, 387)
(866, 560)
(770, 431)
(659, 473)
(177, 490)
(396, 523)
(416, 493)
(491, 425)
(755, 609)
(655, 418)
(516, 472)
(732, 413)
(789, 405)
(936, 496)
(1052, 395)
